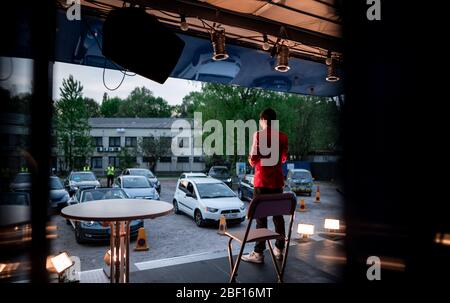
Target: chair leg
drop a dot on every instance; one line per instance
(236, 265)
(275, 264)
(230, 255)
(283, 264)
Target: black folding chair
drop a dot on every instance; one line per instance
(264, 206)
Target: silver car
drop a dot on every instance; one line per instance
(137, 187)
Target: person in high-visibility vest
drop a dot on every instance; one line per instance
(86, 167)
(110, 175)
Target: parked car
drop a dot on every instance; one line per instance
(299, 181)
(21, 182)
(137, 187)
(89, 231)
(206, 199)
(221, 173)
(246, 189)
(192, 175)
(146, 173)
(58, 195)
(80, 180)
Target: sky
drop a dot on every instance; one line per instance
(18, 72)
(173, 90)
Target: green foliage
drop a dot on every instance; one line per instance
(154, 148)
(140, 103)
(311, 123)
(71, 123)
(92, 107)
(127, 157)
(110, 106)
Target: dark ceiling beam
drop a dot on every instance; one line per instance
(246, 21)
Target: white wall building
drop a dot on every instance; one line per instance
(111, 135)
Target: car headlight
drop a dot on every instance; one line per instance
(242, 207)
(88, 223)
(211, 209)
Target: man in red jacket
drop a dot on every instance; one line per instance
(268, 152)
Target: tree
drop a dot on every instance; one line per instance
(310, 122)
(154, 148)
(127, 157)
(110, 106)
(71, 123)
(92, 107)
(141, 103)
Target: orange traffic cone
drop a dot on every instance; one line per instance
(222, 225)
(317, 195)
(302, 205)
(141, 242)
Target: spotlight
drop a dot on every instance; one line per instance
(282, 59)
(218, 43)
(331, 224)
(60, 263)
(183, 24)
(305, 230)
(331, 69)
(266, 45)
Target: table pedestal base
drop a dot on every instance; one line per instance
(120, 252)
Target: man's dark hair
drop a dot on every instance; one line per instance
(269, 115)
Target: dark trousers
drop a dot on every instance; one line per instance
(110, 180)
(278, 221)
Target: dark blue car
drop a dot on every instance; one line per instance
(245, 190)
(90, 231)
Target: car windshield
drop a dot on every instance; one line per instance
(135, 183)
(301, 175)
(14, 199)
(55, 183)
(82, 177)
(142, 172)
(93, 195)
(214, 190)
(23, 178)
(220, 172)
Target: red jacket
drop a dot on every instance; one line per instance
(268, 176)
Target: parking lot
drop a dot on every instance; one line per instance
(177, 235)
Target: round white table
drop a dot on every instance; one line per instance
(118, 213)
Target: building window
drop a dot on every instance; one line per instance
(97, 162)
(114, 141)
(165, 159)
(183, 159)
(97, 141)
(114, 161)
(199, 159)
(130, 141)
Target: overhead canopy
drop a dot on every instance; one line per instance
(310, 28)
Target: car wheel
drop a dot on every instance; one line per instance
(199, 218)
(175, 207)
(78, 236)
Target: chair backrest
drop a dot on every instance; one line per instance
(272, 205)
